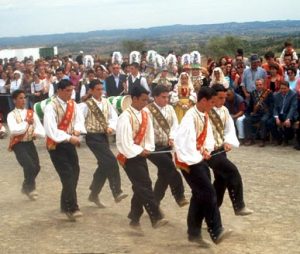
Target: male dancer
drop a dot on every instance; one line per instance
(165, 124)
(226, 174)
(63, 122)
(135, 141)
(193, 143)
(100, 121)
(24, 126)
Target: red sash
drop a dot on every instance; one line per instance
(63, 125)
(16, 139)
(137, 139)
(200, 141)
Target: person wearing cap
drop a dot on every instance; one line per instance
(101, 121)
(251, 74)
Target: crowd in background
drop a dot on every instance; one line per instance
(263, 92)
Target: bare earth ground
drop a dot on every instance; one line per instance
(271, 188)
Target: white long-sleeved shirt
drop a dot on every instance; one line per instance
(16, 128)
(51, 124)
(112, 114)
(229, 128)
(124, 134)
(185, 141)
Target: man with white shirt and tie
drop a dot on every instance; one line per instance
(165, 123)
(24, 125)
(193, 143)
(135, 141)
(116, 82)
(63, 123)
(226, 174)
(101, 121)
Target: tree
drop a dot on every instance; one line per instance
(133, 45)
(217, 47)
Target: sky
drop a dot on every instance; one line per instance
(36, 17)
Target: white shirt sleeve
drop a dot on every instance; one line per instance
(79, 120)
(38, 127)
(124, 140)
(14, 127)
(149, 136)
(50, 126)
(174, 127)
(51, 90)
(112, 117)
(185, 141)
(82, 91)
(144, 84)
(230, 132)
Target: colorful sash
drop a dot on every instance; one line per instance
(16, 139)
(217, 122)
(200, 141)
(137, 139)
(96, 111)
(63, 125)
(161, 120)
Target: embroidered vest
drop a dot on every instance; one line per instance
(91, 123)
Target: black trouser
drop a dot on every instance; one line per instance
(251, 130)
(203, 204)
(28, 158)
(137, 171)
(65, 161)
(108, 167)
(167, 175)
(282, 133)
(227, 176)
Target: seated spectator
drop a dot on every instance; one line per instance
(284, 113)
(237, 107)
(259, 111)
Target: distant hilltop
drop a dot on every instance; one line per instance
(246, 29)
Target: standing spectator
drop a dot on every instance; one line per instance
(115, 83)
(251, 74)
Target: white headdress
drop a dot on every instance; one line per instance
(151, 58)
(117, 58)
(135, 57)
(195, 58)
(171, 60)
(161, 62)
(185, 60)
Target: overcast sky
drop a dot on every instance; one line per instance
(33, 17)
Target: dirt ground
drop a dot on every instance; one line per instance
(271, 188)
